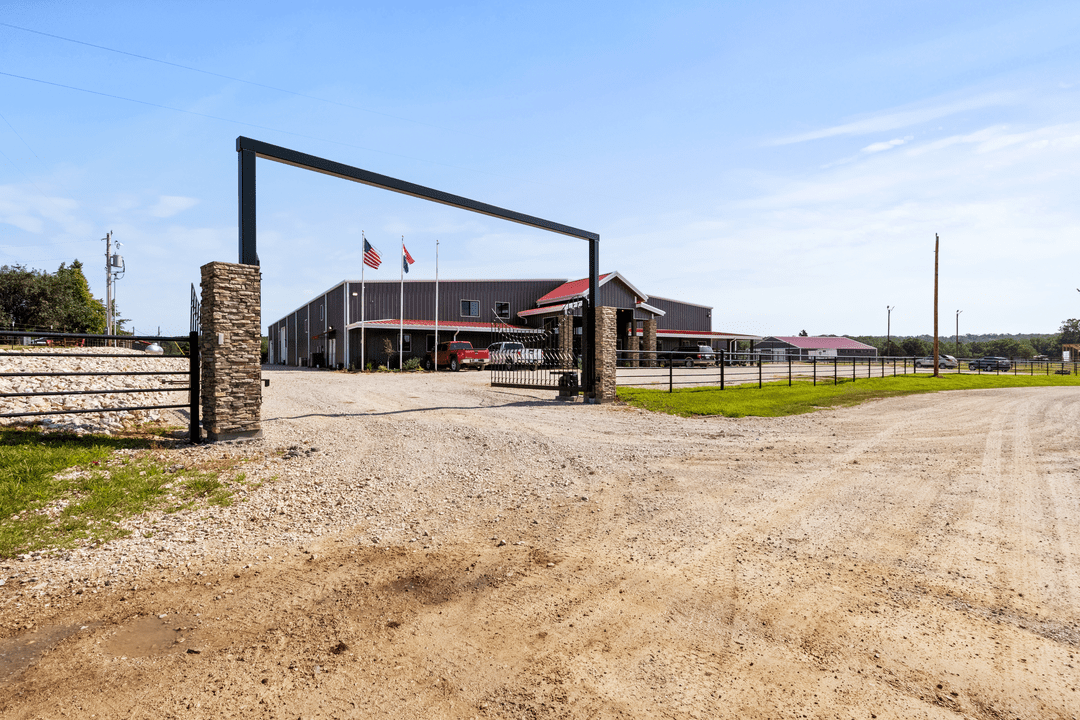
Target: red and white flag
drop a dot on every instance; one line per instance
(371, 256)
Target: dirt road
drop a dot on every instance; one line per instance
(909, 558)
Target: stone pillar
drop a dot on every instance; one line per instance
(566, 341)
(648, 337)
(633, 344)
(230, 347)
(605, 355)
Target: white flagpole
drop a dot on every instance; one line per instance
(345, 333)
(436, 353)
(363, 305)
(401, 308)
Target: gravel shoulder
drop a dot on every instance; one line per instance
(427, 546)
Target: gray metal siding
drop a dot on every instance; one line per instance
(681, 316)
(615, 294)
(335, 318)
(382, 298)
(293, 338)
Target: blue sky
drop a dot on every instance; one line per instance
(787, 163)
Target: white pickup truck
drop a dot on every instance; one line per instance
(508, 354)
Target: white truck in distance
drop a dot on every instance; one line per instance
(509, 354)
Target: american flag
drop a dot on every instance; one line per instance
(406, 258)
(371, 256)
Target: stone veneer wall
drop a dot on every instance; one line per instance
(648, 338)
(566, 340)
(633, 344)
(605, 355)
(230, 346)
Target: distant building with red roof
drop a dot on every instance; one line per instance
(800, 347)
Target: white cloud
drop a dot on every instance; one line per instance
(895, 120)
(169, 205)
(887, 145)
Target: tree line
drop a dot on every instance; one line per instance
(1024, 346)
(39, 300)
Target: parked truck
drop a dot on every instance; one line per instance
(508, 354)
(455, 355)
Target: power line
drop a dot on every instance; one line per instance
(271, 129)
(221, 75)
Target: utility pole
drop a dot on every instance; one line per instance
(958, 334)
(937, 247)
(888, 328)
(108, 283)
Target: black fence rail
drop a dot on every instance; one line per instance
(61, 346)
(670, 369)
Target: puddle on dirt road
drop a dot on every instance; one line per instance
(23, 651)
(150, 635)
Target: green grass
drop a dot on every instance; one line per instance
(84, 506)
(777, 399)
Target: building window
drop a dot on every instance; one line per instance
(470, 308)
(322, 313)
(502, 309)
(406, 343)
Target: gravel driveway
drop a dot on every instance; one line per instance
(432, 547)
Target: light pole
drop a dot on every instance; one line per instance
(888, 328)
(958, 333)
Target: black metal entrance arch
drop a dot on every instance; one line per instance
(248, 150)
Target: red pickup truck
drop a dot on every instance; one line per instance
(456, 355)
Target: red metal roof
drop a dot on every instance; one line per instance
(568, 290)
(823, 343)
(548, 310)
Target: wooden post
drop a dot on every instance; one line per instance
(937, 244)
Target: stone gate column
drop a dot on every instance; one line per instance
(648, 337)
(229, 346)
(566, 341)
(605, 355)
(633, 344)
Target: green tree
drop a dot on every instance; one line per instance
(915, 347)
(1070, 332)
(62, 300)
(22, 296)
(77, 309)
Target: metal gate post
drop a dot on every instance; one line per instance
(246, 160)
(789, 371)
(670, 373)
(194, 433)
(723, 362)
(759, 372)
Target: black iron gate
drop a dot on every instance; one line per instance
(77, 345)
(532, 358)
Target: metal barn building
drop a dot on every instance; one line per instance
(326, 331)
(799, 347)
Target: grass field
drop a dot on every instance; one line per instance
(776, 399)
(62, 491)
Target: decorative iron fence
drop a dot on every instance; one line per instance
(61, 346)
(532, 359)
